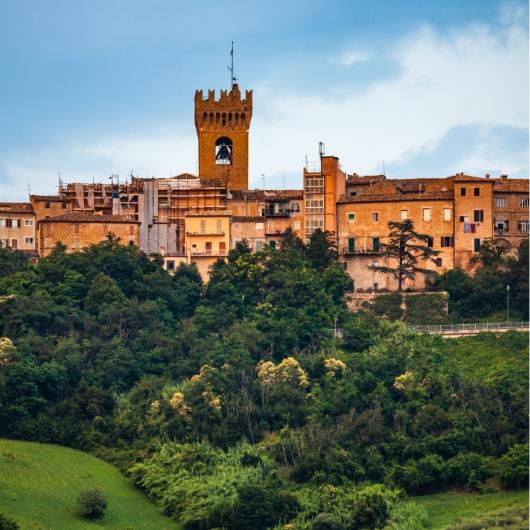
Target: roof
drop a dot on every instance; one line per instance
(460, 177)
(355, 179)
(208, 213)
(17, 207)
(424, 196)
(266, 195)
(513, 185)
(247, 219)
(86, 217)
(47, 198)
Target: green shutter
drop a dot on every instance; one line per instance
(351, 244)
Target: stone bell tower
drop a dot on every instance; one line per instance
(222, 130)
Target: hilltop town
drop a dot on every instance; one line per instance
(199, 218)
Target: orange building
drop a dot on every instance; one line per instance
(78, 230)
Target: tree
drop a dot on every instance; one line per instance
(92, 503)
(290, 241)
(103, 291)
(406, 247)
(6, 523)
(492, 254)
(322, 249)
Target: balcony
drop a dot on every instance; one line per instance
(522, 232)
(209, 252)
(211, 233)
(362, 251)
(275, 213)
(501, 231)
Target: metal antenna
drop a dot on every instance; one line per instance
(233, 78)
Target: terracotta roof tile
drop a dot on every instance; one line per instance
(516, 185)
(86, 217)
(391, 197)
(48, 198)
(17, 207)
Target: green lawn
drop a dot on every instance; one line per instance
(39, 488)
(444, 509)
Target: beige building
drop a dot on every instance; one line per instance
(17, 226)
(78, 231)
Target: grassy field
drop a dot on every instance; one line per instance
(444, 509)
(39, 486)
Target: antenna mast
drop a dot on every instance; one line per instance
(233, 78)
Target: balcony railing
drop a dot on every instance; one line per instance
(501, 231)
(362, 251)
(277, 213)
(522, 232)
(209, 252)
(210, 233)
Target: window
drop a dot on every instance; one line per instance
(353, 194)
(375, 217)
(404, 215)
(464, 219)
(314, 185)
(426, 214)
(430, 242)
(4, 243)
(351, 217)
(222, 248)
(315, 206)
(219, 226)
(447, 214)
(376, 244)
(170, 265)
(105, 229)
(63, 205)
(446, 241)
(272, 245)
(260, 226)
(499, 201)
(208, 248)
(28, 222)
(478, 216)
(522, 226)
(259, 246)
(14, 243)
(15, 223)
(28, 240)
(46, 205)
(462, 192)
(525, 202)
(476, 192)
(131, 230)
(313, 224)
(297, 225)
(76, 228)
(438, 262)
(2, 223)
(476, 244)
(47, 242)
(351, 245)
(270, 227)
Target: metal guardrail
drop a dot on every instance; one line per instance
(448, 329)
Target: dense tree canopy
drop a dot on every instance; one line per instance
(214, 395)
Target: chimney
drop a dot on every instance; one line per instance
(504, 177)
(487, 175)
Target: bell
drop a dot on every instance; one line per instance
(223, 153)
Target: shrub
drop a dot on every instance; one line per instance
(426, 309)
(327, 521)
(6, 523)
(92, 503)
(513, 467)
(388, 305)
(372, 508)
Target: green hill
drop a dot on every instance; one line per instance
(39, 485)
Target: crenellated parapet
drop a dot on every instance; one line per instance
(227, 112)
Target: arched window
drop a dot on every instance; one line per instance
(223, 150)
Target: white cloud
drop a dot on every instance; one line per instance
(352, 57)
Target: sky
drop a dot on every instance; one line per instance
(414, 88)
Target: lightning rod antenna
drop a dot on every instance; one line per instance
(233, 78)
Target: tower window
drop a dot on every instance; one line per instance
(223, 150)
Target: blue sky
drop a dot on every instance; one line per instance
(90, 88)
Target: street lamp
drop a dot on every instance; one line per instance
(508, 304)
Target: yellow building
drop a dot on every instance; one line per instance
(17, 226)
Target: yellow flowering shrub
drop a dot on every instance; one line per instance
(401, 382)
(6, 349)
(334, 366)
(212, 400)
(288, 372)
(178, 404)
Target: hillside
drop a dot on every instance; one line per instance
(39, 484)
